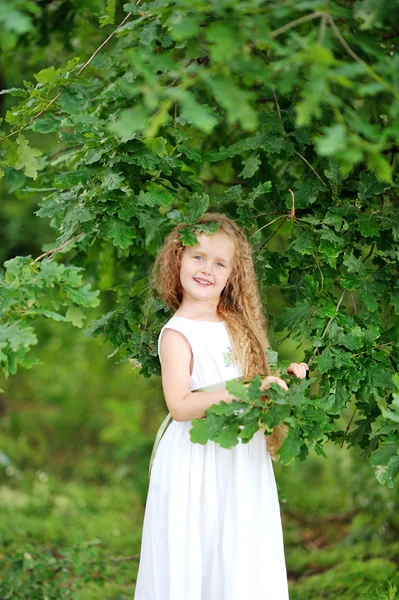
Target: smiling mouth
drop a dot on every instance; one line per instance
(202, 282)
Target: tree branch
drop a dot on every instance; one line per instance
(78, 73)
(295, 22)
(61, 247)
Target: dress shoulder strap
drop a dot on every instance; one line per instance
(183, 326)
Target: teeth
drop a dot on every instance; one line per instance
(202, 281)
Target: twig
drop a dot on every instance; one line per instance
(291, 216)
(267, 224)
(348, 426)
(322, 30)
(295, 22)
(55, 250)
(336, 310)
(370, 253)
(296, 151)
(320, 271)
(125, 558)
(328, 19)
(272, 235)
(78, 73)
(276, 101)
(310, 166)
(353, 302)
(357, 58)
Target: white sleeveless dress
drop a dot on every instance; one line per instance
(212, 526)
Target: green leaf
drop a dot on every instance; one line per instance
(304, 243)
(48, 75)
(227, 409)
(237, 389)
(353, 340)
(26, 157)
(112, 180)
(369, 186)
(325, 361)
(108, 19)
(205, 429)
(157, 145)
(228, 436)
(334, 175)
(47, 124)
(188, 236)
(305, 192)
(83, 296)
(152, 226)
(199, 115)
(129, 122)
(387, 474)
(384, 453)
(251, 165)
(155, 198)
(183, 26)
(193, 154)
(17, 335)
(75, 315)
(293, 317)
(49, 314)
(369, 298)
(127, 212)
(197, 205)
(223, 41)
(291, 447)
(248, 431)
(355, 265)
(338, 398)
(235, 101)
(122, 233)
(368, 225)
(334, 139)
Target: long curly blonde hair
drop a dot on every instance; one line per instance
(239, 306)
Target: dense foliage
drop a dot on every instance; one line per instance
(284, 116)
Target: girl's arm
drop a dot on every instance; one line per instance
(183, 404)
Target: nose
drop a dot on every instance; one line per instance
(206, 268)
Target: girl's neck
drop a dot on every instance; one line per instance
(198, 311)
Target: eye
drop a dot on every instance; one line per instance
(220, 264)
(198, 257)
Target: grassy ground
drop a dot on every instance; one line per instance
(75, 439)
(69, 539)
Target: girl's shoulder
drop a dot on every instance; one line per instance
(193, 330)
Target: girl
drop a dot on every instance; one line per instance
(212, 526)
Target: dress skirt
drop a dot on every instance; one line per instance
(212, 526)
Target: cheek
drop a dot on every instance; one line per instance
(224, 277)
(186, 268)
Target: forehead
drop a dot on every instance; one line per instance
(218, 244)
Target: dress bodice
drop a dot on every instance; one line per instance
(211, 347)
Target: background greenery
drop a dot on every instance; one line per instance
(230, 104)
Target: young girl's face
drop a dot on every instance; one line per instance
(206, 267)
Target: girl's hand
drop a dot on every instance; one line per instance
(267, 381)
(298, 369)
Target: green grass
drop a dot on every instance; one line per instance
(78, 540)
(74, 476)
(69, 540)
